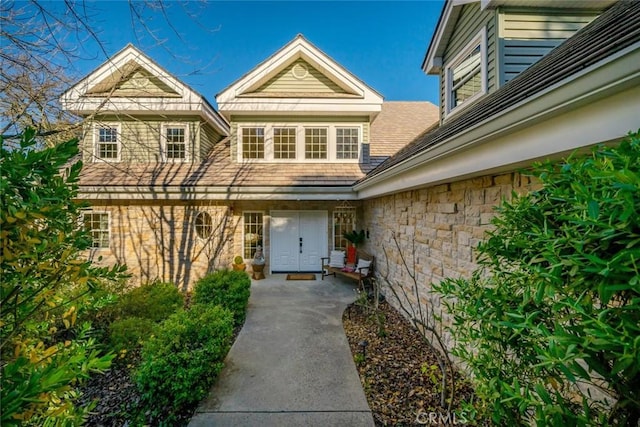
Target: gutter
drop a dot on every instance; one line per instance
(216, 193)
(614, 74)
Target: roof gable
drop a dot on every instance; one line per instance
(613, 35)
(132, 80)
(300, 78)
(132, 83)
(304, 79)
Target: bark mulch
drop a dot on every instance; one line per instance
(398, 370)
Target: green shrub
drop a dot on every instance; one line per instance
(180, 363)
(227, 288)
(130, 332)
(557, 301)
(45, 284)
(154, 301)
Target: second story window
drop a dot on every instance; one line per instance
(284, 143)
(253, 143)
(107, 146)
(466, 74)
(315, 144)
(175, 141)
(347, 143)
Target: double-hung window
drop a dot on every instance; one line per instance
(97, 225)
(284, 142)
(107, 142)
(175, 142)
(315, 143)
(466, 74)
(253, 143)
(347, 143)
(312, 142)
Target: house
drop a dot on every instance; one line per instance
(518, 83)
(177, 188)
(302, 150)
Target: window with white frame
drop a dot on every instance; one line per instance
(284, 143)
(253, 143)
(252, 233)
(315, 143)
(204, 225)
(347, 143)
(107, 142)
(175, 142)
(466, 74)
(97, 225)
(344, 221)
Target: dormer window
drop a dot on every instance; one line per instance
(175, 142)
(300, 142)
(253, 143)
(466, 74)
(107, 142)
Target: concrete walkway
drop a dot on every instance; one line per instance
(291, 364)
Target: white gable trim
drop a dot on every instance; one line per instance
(596, 105)
(79, 101)
(433, 58)
(236, 98)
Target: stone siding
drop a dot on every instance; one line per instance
(437, 230)
(159, 241)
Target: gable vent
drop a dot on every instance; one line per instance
(300, 71)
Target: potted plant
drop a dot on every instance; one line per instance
(356, 238)
(257, 265)
(238, 263)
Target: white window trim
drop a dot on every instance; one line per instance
(163, 142)
(108, 213)
(480, 38)
(269, 156)
(263, 230)
(96, 141)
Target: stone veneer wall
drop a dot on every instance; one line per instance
(158, 241)
(440, 225)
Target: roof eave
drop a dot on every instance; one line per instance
(598, 80)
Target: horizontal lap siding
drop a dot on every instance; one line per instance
(313, 82)
(140, 140)
(469, 24)
(208, 138)
(527, 37)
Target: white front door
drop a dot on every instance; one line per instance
(298, 240)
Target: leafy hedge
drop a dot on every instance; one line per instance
(154, 301)
(180, 363)
(556, 302)
(227, 288)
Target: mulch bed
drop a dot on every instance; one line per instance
(399, 370)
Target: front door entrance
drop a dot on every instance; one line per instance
(298, 240)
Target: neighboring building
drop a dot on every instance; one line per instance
(177, 189)
(507, 101)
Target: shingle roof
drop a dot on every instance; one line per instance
(396, 125)
(613, 31)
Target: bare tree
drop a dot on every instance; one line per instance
(422, 315)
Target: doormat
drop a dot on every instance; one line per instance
(301, 277)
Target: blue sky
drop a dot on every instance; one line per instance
(381, 42)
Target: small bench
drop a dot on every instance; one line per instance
(359, 274)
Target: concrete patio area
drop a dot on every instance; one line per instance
(291, 363)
